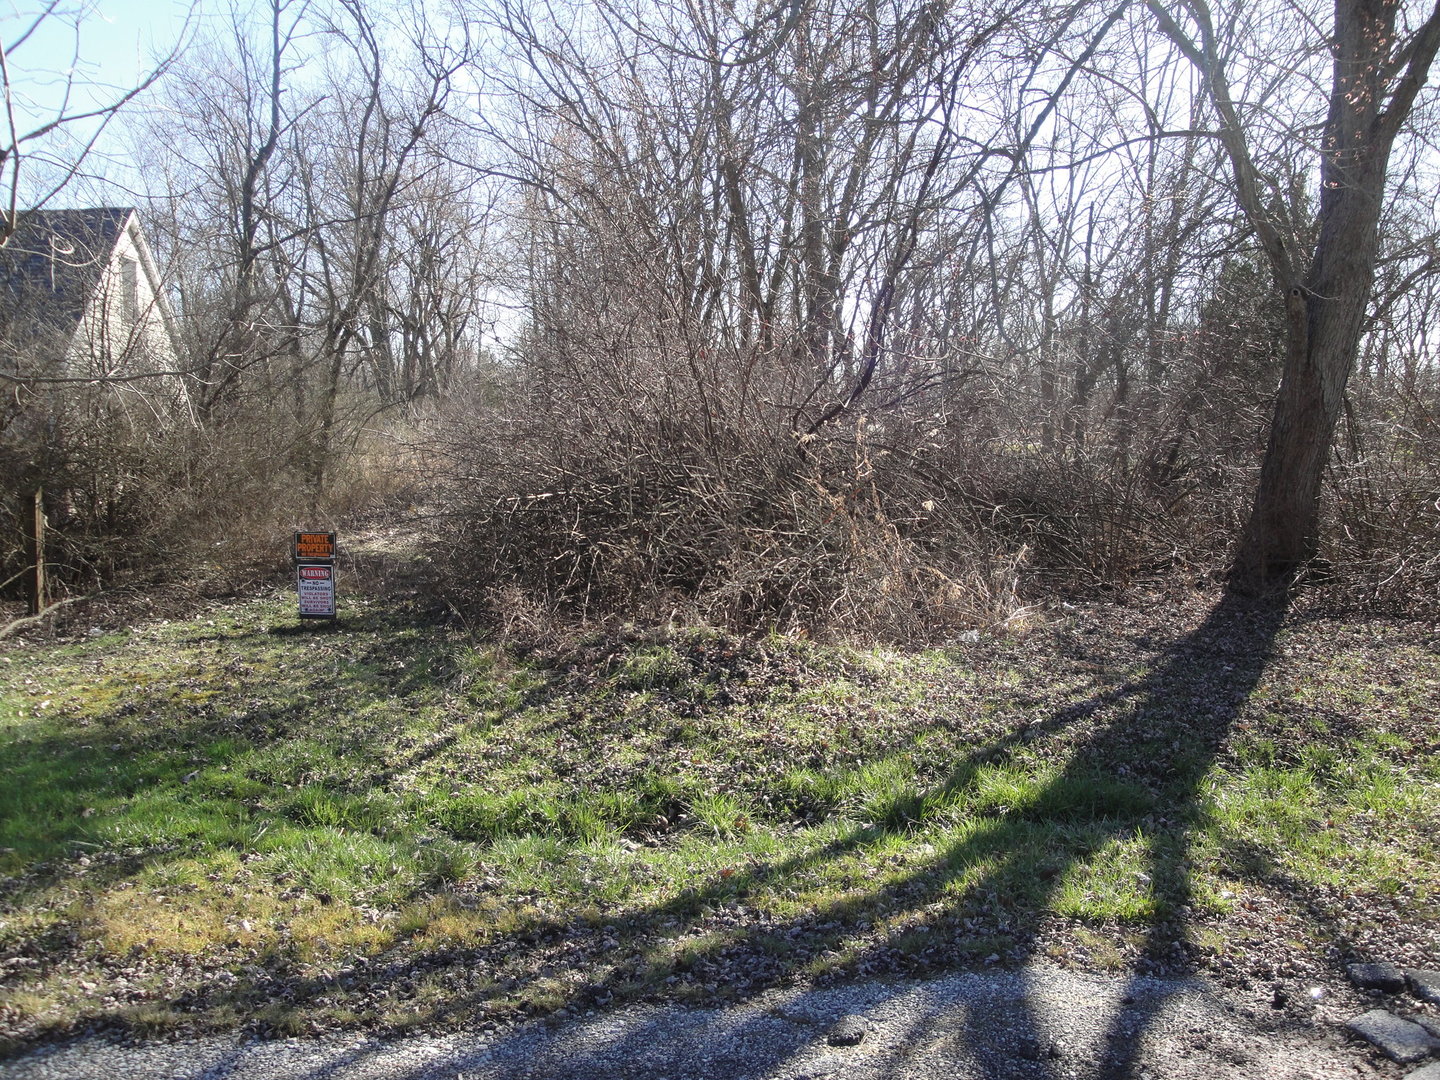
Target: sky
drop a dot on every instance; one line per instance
(97, 49)
(118, 40)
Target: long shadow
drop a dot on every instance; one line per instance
(1135, 776)
(1138, 756)
(1167, 732)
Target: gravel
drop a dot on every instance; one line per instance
(978, 1025)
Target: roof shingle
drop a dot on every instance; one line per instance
(50, 270)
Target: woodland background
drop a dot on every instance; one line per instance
(877, 317)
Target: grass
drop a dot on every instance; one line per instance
(399, 824)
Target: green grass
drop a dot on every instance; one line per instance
(633, 815)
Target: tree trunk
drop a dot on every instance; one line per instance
(1326, 321)
(1375, 80)
(39, 587)
(1282, 533)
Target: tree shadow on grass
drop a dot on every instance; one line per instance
(1129, 789)
(1168, 732)
(1118, 813)
(1134, 779)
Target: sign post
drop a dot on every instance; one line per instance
(39, 588)
(315, 574)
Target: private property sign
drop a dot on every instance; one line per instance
(314, 546)
(315, 574)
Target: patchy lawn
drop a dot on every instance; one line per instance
(230, 820)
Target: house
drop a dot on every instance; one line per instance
(81, 297)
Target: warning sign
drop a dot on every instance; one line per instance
(316, 584)
(314, 545)
(315, 574)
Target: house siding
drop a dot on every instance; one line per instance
(125, 327)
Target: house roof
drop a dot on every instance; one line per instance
(50, 270)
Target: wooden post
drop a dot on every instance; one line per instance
(39, 599)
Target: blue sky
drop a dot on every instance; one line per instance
(98, 48)
(118, 39)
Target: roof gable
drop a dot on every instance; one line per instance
(51, 268)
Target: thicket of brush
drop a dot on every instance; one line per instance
(870, 320)
(560, 494)
(956, 511)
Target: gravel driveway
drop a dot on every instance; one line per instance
(1040, 1023)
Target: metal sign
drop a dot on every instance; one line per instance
(316, 585)
(314, 547)
(315, 574)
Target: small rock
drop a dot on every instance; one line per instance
(1383, 977)
(1399, 1040)
(1035, 1049)
(1425, 985)
(1427, 1072)
(849, 1031)
(791, 1014)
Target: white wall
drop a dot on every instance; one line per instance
(124, 330)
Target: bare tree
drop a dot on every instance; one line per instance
(324, 242)
(351, 188)
(1380, 54)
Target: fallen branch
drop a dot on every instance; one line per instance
(19, 624)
